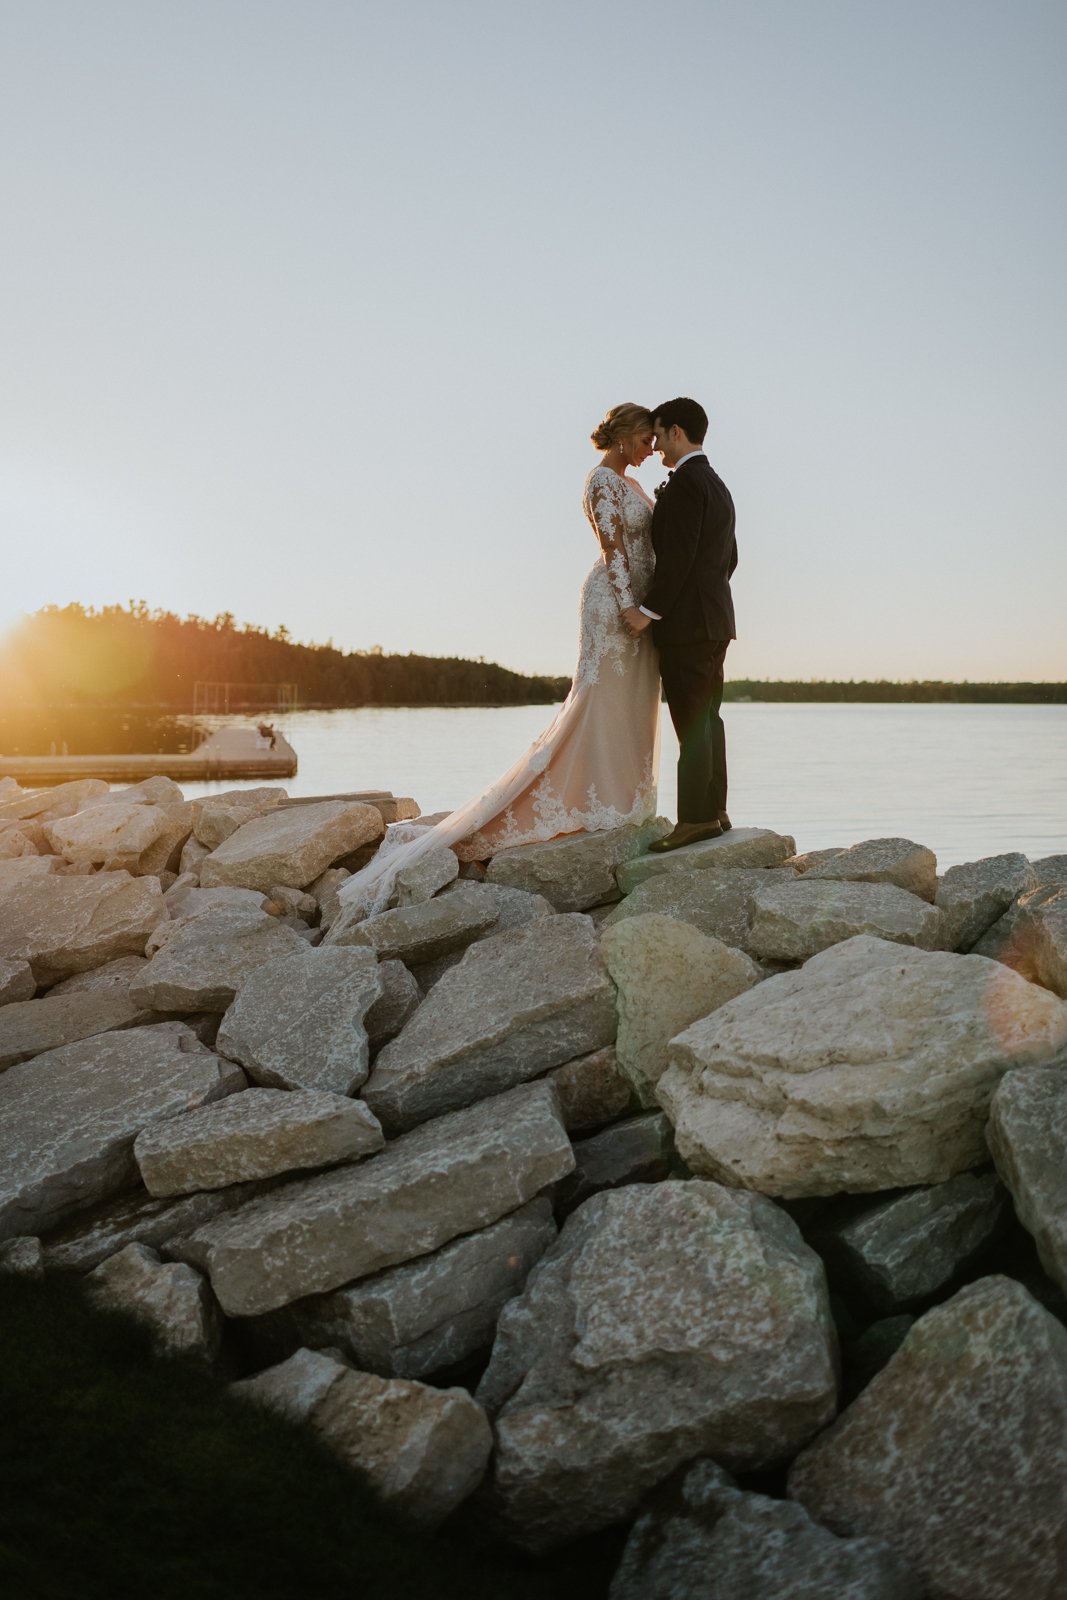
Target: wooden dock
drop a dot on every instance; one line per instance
(230, 752)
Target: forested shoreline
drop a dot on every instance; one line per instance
(131, 658)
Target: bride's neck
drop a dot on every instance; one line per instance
(618, 463)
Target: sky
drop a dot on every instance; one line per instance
(310, 308)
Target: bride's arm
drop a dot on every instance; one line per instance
(603, 510)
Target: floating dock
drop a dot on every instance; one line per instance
(229, 752)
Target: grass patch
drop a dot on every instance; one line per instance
(127, 1473)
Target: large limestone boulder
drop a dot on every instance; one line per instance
(792, 921)
(956, 1453)
(134, 1217)
(429, 1314)
(109, 978)
(396, 1004)
(173, 1299)
(258, 1134)
(422, 1450)
(299, 1022)
(68, 1118)
(720, 904)
(290, 845)
(973, 896)
(910, 1247)
(30, 1027)
(422, 932)
(64, 925)
(636, 1150)
(668, 974)
(216, 816)
(15, 844)
(1027, 1135)
(130, 837)
(1031, 938)
(17, 869)
(703, 1538)
(60, 800)
(516, 1005)
(592, 1090)
(432, 872)
(454, 1176)
(870, 1068)
(577, 870)
(668, 1321)
(207, 959)
(511, 908)
(741, 847)
(902, 862)
(17, 982)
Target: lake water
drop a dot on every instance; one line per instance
(966, 780)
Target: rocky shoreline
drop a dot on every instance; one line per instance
(586, 1187)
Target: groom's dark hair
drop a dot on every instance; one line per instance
(687, 414)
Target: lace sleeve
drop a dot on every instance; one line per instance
(603, 507)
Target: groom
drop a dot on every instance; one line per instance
(691, 612)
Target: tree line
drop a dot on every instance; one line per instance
(885, 690)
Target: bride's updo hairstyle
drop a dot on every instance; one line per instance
(620, 423)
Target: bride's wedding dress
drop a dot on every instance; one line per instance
(594, 766)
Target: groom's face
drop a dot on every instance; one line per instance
(671, 443)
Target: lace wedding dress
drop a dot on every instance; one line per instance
(595, 765)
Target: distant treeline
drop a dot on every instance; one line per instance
(130, 655)
(930, 689)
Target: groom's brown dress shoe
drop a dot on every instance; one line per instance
(687, 833)
(724, 822)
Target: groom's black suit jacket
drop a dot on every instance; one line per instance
(696, 552)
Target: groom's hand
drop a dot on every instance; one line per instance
(635, 622)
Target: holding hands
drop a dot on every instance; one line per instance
(635, 621)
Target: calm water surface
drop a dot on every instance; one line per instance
(967, 781)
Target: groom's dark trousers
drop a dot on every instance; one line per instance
(694, 539)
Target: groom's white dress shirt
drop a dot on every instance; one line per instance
(688, 457)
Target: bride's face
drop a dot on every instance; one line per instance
(639, 447)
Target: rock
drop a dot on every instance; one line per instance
(792, 921)
(16, 981)
(428, 1314)
(64, 925)
(741, 847)
(290, 845)
(431, 872)
(592, 1090)
(668, 974)
(172, 1298)
(258, 1134)
(638, 1150)
(870, 1068)
(395, 1006)
(668, 1321)
(511, 908)
(1050, 872)
(18, 869)
(299, 1021)
(419, 933)
(901, 862)
(813, 858)
(293, 902)
(130, 837)
(576, 870)
(23, 1257)
(64, 799)
(68, 1118)
(191, 901)
(29, 1027)
(459, 1174)
(1032, 938)
(517, 1004)
(421, 1450)
(973, 896)
(154, 791)
(193, 855)
(703, 1538)
(136, 1218)
(955, 1452)
(14, 844)
(1027, 1135)
(325, 888)
(718, 903)
(910, 1247)
(217, 816)
(113, 977)
(207, 959)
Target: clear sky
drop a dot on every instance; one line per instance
(309, 307)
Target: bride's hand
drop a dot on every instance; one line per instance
(635, 622)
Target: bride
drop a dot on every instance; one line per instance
(595, 764)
